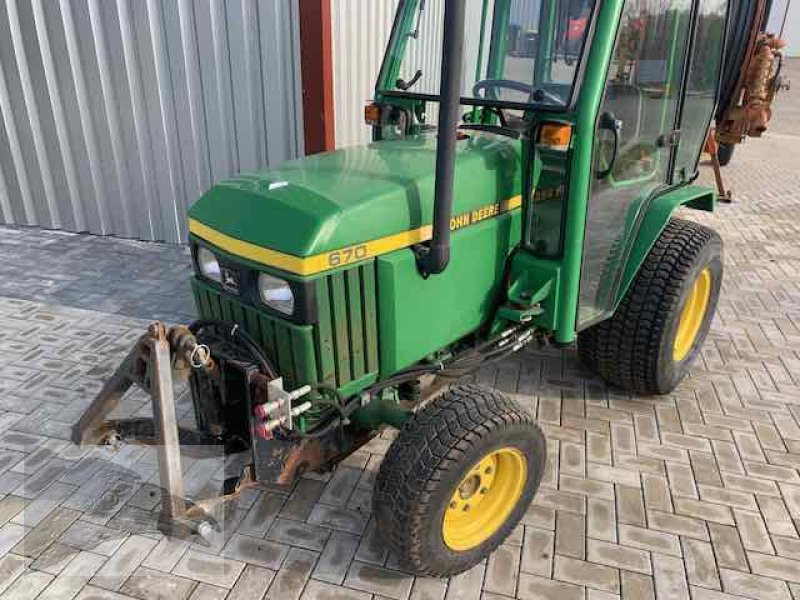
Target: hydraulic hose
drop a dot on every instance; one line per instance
(238, 335)
(487, 352)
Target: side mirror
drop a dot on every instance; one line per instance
(607, 135)
(405, 85)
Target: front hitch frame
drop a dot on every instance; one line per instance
(154, 359)
(279, 453)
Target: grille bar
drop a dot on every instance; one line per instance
(340, 349)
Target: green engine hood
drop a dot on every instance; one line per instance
(338, 199)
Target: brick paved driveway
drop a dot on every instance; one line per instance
(694, 494)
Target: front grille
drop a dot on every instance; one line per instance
(347, 333)
(341, 348)
(289, 346)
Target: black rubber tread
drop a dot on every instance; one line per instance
(633, 349)
(725, 154)
(432, 452)
(587, 348)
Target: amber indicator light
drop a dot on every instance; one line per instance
(555, 135)
(372, 114)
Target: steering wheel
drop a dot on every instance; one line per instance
(510, 84)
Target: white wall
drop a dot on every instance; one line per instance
(116, 115)
(361, 30)
(791, 28)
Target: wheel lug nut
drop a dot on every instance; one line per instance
(488, 470)
(466, 508)
(453, 505)
(484, 490)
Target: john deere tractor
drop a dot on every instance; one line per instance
(528, 157)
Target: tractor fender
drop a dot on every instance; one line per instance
(657, 215)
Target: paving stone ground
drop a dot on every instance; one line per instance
(695, 495)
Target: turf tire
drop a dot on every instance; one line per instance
(634, 349)
(431, 455)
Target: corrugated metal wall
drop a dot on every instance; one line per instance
(361, 30)
(785, 14)
(118, 114)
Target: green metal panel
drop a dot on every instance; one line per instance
(381, 411)
(332, 200)
(482, 43)
(420, 316)
(237, 310)
(268, 341)
(547, 29)
(481, 49)
(216, 307)
(499, 37)
(284, 351)
(581, 169)
(655, 221)
(543, 234)
(225, 312)
(323, 334)
(340, 332)
(355, 321)
(529, 274)
(251, 323)
(203, 304)
(302, 347)
(369, 296)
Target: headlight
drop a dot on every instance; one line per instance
(208, 265)
(276, 293)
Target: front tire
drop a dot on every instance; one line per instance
(664, 318)
(457, 480)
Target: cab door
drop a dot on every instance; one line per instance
(634, 138)
(701, 87)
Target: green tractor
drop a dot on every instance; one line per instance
(336, 292)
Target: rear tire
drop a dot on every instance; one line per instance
(457, 480)
(725, 154)
(662, 322)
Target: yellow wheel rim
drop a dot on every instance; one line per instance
(484, 499)
(692, 316)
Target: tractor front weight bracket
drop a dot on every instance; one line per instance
(156, 359)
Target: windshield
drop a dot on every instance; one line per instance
(515, 51)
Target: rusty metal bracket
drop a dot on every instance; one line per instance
(712, 147)
(173, 495)
(154, 359)
(92, 428)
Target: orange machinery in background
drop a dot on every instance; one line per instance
(751, 78)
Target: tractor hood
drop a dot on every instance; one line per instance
(338, 199)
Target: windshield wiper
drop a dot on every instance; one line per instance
(488, 127)
(415, 34)
(404, 85)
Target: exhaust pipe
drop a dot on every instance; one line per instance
(438, 256)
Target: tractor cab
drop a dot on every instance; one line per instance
(527, 159)
(609, 103)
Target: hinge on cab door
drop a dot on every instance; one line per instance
(670, 138)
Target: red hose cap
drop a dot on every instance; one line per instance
(261, 431)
